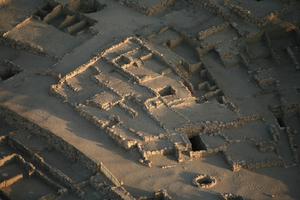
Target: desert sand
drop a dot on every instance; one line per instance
(149, 99)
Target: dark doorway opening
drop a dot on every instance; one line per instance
(197, 143)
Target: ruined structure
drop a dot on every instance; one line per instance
(164, 99)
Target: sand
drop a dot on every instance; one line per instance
(164, 99)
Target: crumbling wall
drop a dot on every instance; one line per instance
(61, 146)
(86, 6)
(149, 8)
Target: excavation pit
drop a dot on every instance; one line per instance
(204, 181)
(63, 18)
(167, 91)
(41, 13)
(123, 60)
(197, 143)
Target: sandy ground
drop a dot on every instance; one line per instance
(95, 80)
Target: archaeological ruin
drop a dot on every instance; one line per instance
(149, 99)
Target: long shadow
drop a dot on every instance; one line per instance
(52, 106)
(33, 94)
